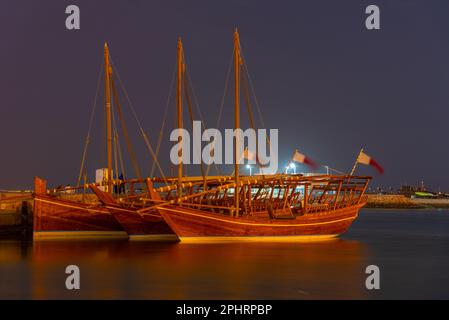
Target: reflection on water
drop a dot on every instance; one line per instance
(140, 270)
(180, 271)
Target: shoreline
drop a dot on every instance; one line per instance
(394, 201)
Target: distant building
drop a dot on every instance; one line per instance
(407, 190)
(420, 192)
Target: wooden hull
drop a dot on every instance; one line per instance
(63, 219)
(195, 225)
(147, 227)
(56, 219)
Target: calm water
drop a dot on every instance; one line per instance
(411, 249)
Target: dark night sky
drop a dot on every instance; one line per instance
(326, 82)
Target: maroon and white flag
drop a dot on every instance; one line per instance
(252, 156)
(248, 155)
(367, 160)
(299, 157)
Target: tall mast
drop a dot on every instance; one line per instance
(179, 113)
(237, 118)
(107, 92)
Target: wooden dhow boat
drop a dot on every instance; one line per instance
(282, 207)
(58, 215)
(270, 207)
(134, 215)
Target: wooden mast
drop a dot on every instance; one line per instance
(237, 119)
(179, 113)
(107, 91)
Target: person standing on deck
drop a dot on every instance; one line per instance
(121, 188)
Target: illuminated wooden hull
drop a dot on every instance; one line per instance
(191, 225)
(63, 219)
(56, 219)
(149, 226)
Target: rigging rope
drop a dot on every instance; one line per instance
(145, 137)
(125, 132)
(248, 80)
(92, 116)
(164, 119)
(189, 106)
(335, 170)
(114, 128)
(252, 90)
(122, 167)
(220, 112)
(118, 149)
(203, 122)
(248, 102)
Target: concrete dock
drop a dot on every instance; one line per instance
(16, 212)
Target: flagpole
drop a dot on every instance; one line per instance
(286, 167)
(290, 161)
(356, 162)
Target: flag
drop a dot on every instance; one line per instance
(299, 157)
(248, 155)
(367, 160)
(251, 156)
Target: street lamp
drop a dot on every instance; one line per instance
(292, 166)
(249, 168)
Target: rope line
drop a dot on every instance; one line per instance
(114, 129)
(164, 119)
(142, 131)
(252, 90)
(203, 122)
(125, 132)
(92, 116)
(220, 112)
(189, 106)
